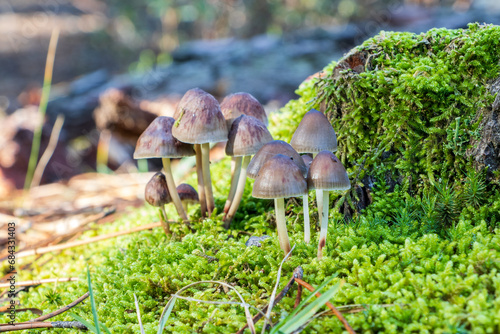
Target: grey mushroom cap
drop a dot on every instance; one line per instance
(279, 177)
(199, 119)
(242, 103)
(247, 136)
(187, 193)
(157, 141)
(314, 134)
(156, 192)
(271, 149)
(327, 173)
(307, 160)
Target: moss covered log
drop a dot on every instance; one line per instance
(423, 257)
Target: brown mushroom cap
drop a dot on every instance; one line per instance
(199, 119)
(156, 192)
(314, 134)
(157, 141)
(187, 193)
(247, 136)
(279, 177)
(268, 151)
(327, 173)
(241, 103)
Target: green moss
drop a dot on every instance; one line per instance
(414, 108)
(422, 261)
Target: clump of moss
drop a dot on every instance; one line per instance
(407, 103)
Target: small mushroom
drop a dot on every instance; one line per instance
(157, 142)
(305, 203)
(156, 193)
(280, 178)
(187, 194)
(271, 149)
(246, 137)
(232, 107)
(326, 174)
(199, 121)
(314, 134)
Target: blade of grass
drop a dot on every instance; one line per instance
(42, 108)
(83, 321)
(92, 303)
(166, 314)
(309, 311)
(138, 314)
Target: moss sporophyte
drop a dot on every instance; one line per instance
(423, 256)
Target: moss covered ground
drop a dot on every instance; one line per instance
(423, 257)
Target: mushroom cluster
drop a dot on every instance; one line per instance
(277, 167)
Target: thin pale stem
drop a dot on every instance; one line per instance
(164, 220)
(324, 223)
(240, 189)
(307, 225)
(319, 201)
(172, 189)
(201, 184)
(235, 174)
(205, 160)
(279, 204)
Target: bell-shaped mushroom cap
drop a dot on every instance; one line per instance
(199, 119)
(279, 177)
(156, 192)
(268, 151)
(241, 103)
(247, 136)
(327, 172)
(314, 134)
(187, 193)
(157, 141)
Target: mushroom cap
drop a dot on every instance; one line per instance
(268, 151)
(279, 177)
(156, 192)
(247, 136)
(157, 141)
(199, 119)
(314, 134)
(242, 103)
(187, 193)
(327, 173)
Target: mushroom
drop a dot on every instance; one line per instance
(326, 174)
(200, 121)
(271, 149)
(279, 178)
(187, 194)
(246, 137)
(157, 142)
(314, 134)
(232, 107)
(156, 194)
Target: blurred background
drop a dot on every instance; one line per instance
(119, 64)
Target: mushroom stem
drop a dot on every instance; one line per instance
(205, 160)
(279, 205)
(201, 184)
(319, 197)
(240, 188)
(324, 223)
(172, 189)
(235, 174)
(307, 226)
(164, 220)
